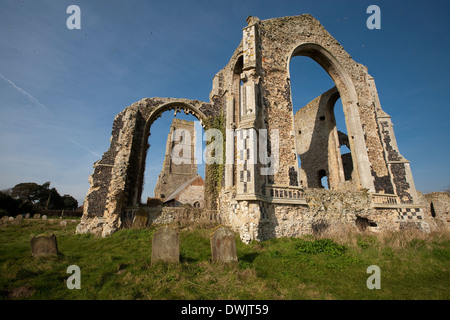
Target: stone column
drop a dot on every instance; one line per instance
(247, 138)
(246, 161)
(229, 160)
(116, 191)
(359, 151)
(398, 167)
(249, 44)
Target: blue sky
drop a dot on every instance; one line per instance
(60, 89)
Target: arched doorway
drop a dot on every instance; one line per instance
(145, 150)
(172, 136)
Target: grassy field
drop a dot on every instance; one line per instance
(413, 266)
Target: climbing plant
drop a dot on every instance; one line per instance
(214, 172)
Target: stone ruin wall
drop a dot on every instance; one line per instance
(253, 91)
(183, 215)
(280, 38)
(321, 211)
(437, 206)
(193, 193)
(318, 144)
(117, 180)
(379, 191)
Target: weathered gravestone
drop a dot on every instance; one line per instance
(44, 217)
(44, 245)
(223, 245)
(5, 219)
(18, 219)
(27, 216)
(140, 219)
(37, 216)
(166, 246)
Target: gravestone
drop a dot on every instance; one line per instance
(166, 246)
(223, 245)
(44, 245)
(37, 216)
(63, 223)
(18, 219)
(140, 219)
(44, 217)
(27, 216)
(10, 219)
(5, 219)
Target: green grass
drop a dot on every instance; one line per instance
(413, 266)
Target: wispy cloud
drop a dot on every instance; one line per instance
(48, 111)
(86, 148)
(33, 99)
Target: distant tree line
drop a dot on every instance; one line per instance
(30, 197)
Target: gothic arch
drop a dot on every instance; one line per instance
(144, 147)
(116, 182)
(178, 106)
(346, 88)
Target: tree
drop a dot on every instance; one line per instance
(12, 207)
(54, 200)
(8, 204)
(69, 202)
(32, 192)
(30, 196)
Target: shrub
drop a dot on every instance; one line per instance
(362, 244)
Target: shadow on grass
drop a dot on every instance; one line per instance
(186, 259)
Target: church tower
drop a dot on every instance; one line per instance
(179, 164)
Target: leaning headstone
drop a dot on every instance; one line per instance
(18, 219)
(223, 245)
(37, 216)
(44, 217)
(166, 245)
(44, 245)
(140, 219)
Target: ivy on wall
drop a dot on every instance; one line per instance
(214, 173)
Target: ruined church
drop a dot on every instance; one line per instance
(179, 182)
(371, 187)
